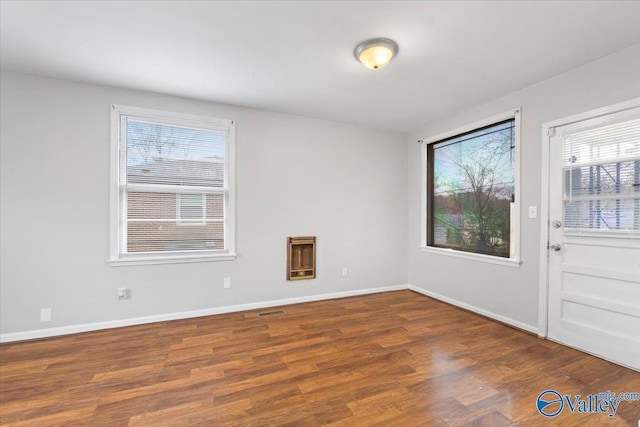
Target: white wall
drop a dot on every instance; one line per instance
(498, 290)
(295, 176)
(54, 217)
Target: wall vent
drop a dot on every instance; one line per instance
(271, 313)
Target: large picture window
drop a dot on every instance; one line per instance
(471, 190)
(171, 170)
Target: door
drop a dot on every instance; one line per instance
(594, 236)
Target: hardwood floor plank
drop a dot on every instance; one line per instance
(390, 359)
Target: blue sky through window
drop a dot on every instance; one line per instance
(460, 162)
(149, 142)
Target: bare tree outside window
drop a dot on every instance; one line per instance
(471, 190)
(152, 141)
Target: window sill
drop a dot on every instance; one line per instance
(149, 260)
(508, 262)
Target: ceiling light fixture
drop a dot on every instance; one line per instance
(376, 53)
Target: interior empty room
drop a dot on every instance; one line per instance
(305, 213)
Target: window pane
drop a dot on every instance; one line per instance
(163, 206)
(158, 222)
(603, 214)
(160, 236)
(163, 154)
(602, 178)
(616, 142)
(473, 190)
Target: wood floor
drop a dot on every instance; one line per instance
(390, 359)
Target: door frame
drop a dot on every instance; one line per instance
(548, 130)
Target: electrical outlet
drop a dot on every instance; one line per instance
(122, 293)
(45, 315)
(226, 283)
(345, 272)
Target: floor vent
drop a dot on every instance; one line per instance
(270, 313)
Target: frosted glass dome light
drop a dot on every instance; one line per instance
(376, 53)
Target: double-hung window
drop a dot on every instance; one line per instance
(470, 191)
(172, 194)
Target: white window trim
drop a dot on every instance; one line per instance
(203, 213)
(117, 233)
(514, 260)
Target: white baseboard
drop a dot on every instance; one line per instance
(483, 312)
(74, 329)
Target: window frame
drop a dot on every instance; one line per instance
(514, 260)
(118, 256)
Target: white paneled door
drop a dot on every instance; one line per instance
(594, 236)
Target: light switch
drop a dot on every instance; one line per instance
(533, 212)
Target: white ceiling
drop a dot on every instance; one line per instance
(297, 57)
